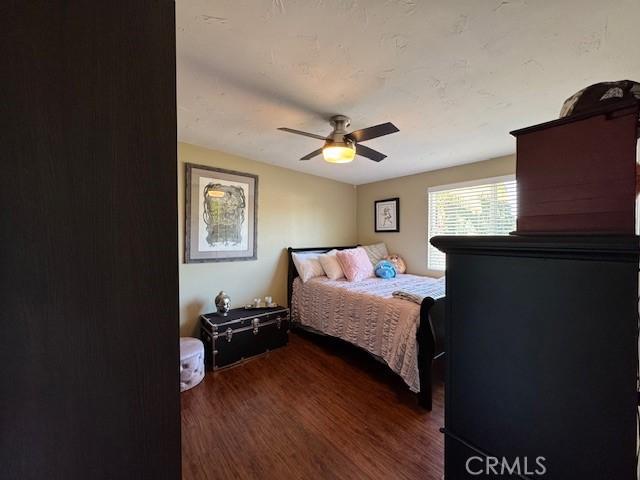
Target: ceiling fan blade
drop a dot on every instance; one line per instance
(312, 154)
(370, 153)
(306, 134)
(373, 132)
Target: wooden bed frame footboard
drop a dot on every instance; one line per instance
(430, 334)
(430, 337)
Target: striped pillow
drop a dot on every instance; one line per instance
(376, 252)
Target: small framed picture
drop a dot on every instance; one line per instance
(387, 215)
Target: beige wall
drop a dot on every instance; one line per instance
(294, 209)
(411, 242)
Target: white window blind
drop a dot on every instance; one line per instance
(485, 207)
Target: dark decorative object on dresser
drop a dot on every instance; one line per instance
(242, 333)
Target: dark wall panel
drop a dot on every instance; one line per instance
(89, 331)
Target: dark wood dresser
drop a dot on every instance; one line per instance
(542, 354)
(542, 325)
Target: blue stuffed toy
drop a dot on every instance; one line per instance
(385, 269)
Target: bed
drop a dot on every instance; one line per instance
(405, 336)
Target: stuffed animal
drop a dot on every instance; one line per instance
(385, 269)
(397, 262)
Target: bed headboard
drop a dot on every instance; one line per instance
(292, 273)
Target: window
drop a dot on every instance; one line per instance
(485, 207)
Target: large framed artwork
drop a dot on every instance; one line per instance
(387, 215)
(221, 215)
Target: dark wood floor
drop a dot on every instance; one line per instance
(316, 409)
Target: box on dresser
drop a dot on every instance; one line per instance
(577, 175)
(242, 333)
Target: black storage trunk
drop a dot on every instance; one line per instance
(242, 333)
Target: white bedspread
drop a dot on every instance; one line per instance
(367, 315)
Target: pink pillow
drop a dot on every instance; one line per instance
(355, 263)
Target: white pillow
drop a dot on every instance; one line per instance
(331, 266)
(376, 252)
(308, 265)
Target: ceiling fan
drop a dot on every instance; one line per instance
(341, 147)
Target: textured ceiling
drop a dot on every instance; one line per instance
(454, 76)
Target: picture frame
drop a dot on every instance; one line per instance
(386, 215)
(221, 215)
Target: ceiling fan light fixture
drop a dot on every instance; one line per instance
(339, 153)
(341, 146)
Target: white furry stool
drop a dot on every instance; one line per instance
(191, 362)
